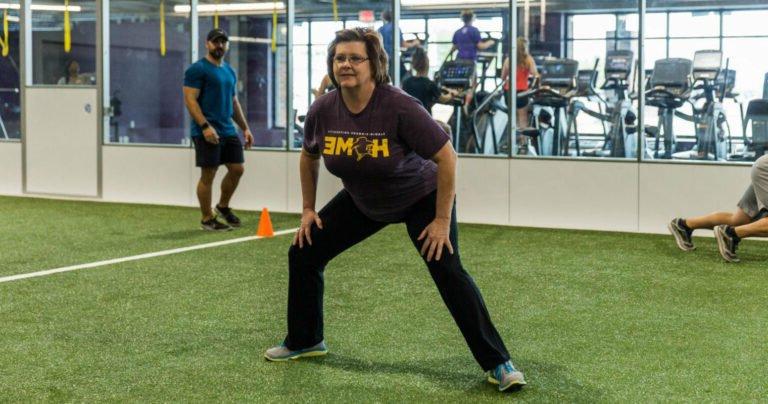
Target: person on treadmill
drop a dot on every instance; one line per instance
(526, 69)
(386, 32)
(421, 87)
(467, 41)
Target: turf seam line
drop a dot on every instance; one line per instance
(137, 257)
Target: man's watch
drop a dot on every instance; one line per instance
(205, 126)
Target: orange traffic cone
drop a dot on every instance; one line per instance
(265, 225)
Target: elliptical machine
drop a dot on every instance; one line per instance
(489, 119)
(459, 75)
(708, 118)
(621, 140)
(557, 86)
(670, 88)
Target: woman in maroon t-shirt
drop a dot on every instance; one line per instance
(397, 166)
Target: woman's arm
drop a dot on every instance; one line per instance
(532, 66)
(309, 172)
(437, 233)
(446, 181)
(505, 70)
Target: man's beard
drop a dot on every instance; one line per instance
(217, 53)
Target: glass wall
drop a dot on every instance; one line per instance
(576, 80)
(10, 78)
(257, 54)
(315, 27)
(715, 110)
(465, 50)
(577, 90)
(149, 44)
(64, 43)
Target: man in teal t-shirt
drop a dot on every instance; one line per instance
(210, 97)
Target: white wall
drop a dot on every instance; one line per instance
(685, 190)
(148, 175)
(168, 176)
(596, 195)
(574, 194)
(10, 168)
(61, 141)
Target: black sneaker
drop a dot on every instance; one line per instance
(682, 234)
(227, 214)
(726, 243)
(214, 225)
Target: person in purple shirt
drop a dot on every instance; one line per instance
(397, 166)
(467, 41)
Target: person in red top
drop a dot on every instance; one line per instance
(526, 68)
(397, 166)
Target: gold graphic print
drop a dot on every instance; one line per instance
(361, 146)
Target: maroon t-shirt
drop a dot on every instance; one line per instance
(381, 154)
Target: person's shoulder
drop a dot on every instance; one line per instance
(324, 103)
(230, 69)
(390, 91)
(198, 66)
(394, 97)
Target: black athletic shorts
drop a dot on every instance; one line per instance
(229, 150)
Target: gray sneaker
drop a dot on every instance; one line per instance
(227, 214)
(726, 244)
(281, 354)
(214, 225)
(682, 236)
(506, 376)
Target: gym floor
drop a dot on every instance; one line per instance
(588, 316)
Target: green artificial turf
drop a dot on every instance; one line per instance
(588, 316)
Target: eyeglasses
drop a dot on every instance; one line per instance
(353, 59)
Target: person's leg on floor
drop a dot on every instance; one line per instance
(458, 290)
(344, 225)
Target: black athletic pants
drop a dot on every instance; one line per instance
(344, 225)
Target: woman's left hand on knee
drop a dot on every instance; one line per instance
(436, 236)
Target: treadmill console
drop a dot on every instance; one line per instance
(618, 64)
(707, 64)
(672, 74)
(457, 74)
(560, 74)
(585, 81)
(727, 77)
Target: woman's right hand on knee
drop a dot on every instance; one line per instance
(308, 217)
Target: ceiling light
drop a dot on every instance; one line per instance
(229, 8)
(41, 7)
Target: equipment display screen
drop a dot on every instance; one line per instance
(708, 60)
(619, 63)
(672, 72)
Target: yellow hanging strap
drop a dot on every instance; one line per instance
(67, 28)
(162, 28)
(335, 10)
(4, 40)
(274, 27)
(216, 15)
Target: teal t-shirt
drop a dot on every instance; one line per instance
(217, 89)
